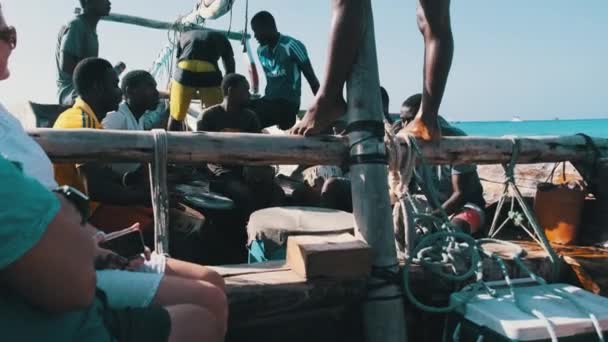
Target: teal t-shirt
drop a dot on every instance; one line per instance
(26, 209)
(283, 68)
(21, 322)
(79, 40)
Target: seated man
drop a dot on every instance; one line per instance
(47, 280)
(197, 72)
(138, 112)
(97, 82)
(332, 185)
(409, 108)
(460, 190)
(236, 182)
(161, 280)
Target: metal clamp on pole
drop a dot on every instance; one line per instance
(160, 193)
(367, 145)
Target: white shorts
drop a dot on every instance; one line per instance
(133, 289)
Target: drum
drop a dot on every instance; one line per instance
(559, 211)
(202, 199)
(268, 229)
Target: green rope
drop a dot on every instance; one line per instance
(517, 217)
(421, 255)
(438, 249)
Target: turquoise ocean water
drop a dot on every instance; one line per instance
(593, 127)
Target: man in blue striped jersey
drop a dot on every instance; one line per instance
(284, 60)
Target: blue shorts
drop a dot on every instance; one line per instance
(133, 289)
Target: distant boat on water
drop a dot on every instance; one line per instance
(516, 118)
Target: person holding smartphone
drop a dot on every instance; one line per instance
(158, 281)
(47, 279)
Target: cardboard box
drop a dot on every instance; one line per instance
(331, 256)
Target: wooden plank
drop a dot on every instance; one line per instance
(243, 269)
(260, 149)
(339, 323)
(86, 145)
(275, 293)
(589, 264)
(481, 150)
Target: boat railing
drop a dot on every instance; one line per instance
(87, 145)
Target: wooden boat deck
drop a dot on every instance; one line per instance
(270, 301)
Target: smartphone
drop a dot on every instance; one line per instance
(128, 243)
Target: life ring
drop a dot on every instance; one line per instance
(213, 9)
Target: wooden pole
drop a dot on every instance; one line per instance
(160, 192)
(179, 25)
(84, 145)
(383, 312)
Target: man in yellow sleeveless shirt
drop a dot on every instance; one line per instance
(197, 72)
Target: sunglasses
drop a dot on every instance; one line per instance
(9, 35)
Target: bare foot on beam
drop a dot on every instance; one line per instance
(426, 130)
(321, 115)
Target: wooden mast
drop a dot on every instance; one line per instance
(383, 312)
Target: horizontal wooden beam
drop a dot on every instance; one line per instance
(482, 150)
(257, 149)
(163, 25)
(86, 145)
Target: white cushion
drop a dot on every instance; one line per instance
(274, 225)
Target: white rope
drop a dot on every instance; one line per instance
(401, 163)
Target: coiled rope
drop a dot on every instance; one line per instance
(447, 246)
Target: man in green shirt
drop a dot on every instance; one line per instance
(78, 40)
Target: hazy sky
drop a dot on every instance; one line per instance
(536, 59)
